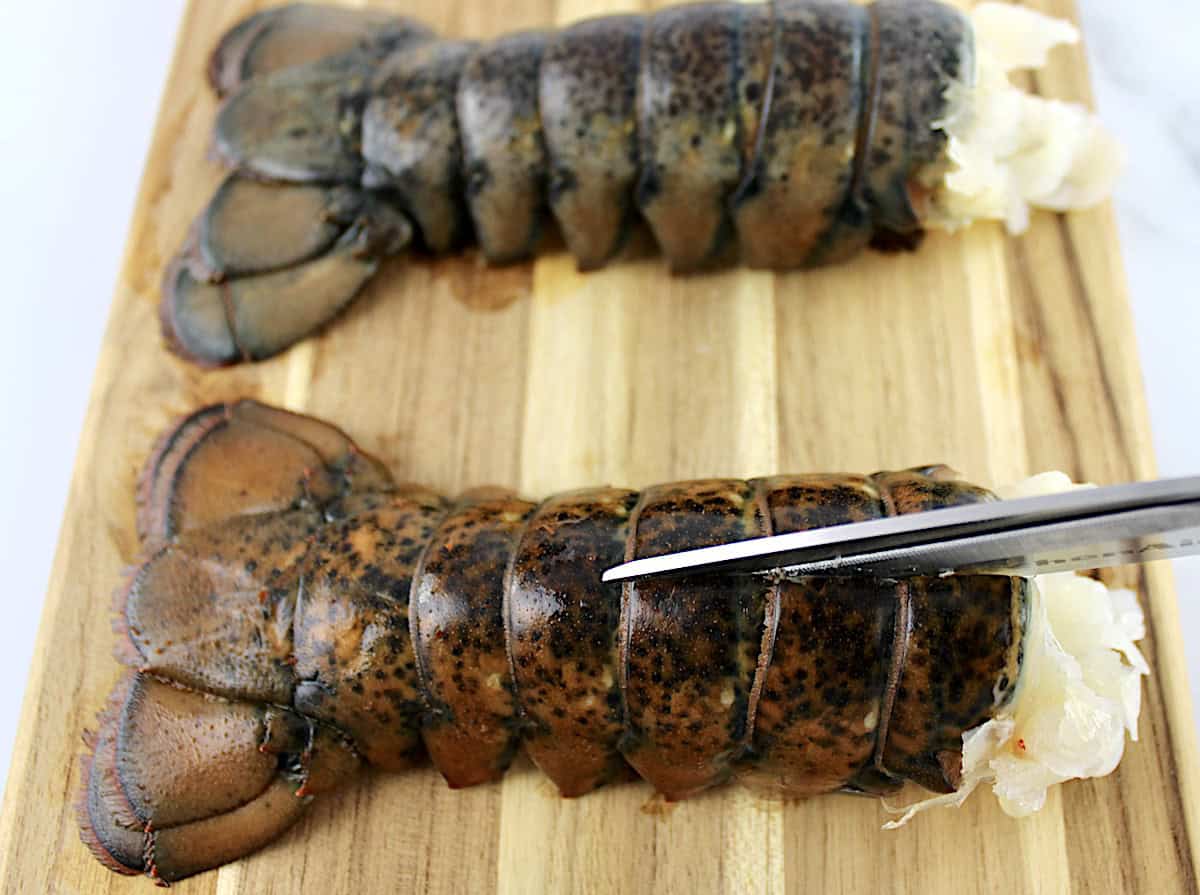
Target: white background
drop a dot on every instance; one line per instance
(81, 83)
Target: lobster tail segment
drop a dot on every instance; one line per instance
(689, 655)
(411, 141)
(587, 95)
(504, 154)
(918, 49)
(687, 128)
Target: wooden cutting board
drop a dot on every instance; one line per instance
(1000, 356)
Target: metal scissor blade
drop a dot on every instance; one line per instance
(1081, 529)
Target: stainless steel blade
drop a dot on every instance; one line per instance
(1086, 528)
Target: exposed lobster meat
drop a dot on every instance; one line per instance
(804, 128)
(298, 616)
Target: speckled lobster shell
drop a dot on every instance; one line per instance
(791, 134)
(298, 615)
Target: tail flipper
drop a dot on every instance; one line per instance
(198, 759)
(181, 781)
(299, 33)
(268, 264)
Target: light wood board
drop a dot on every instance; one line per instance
(1000, 356)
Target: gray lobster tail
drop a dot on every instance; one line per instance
(798, 132)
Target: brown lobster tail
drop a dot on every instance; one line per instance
(297, 615)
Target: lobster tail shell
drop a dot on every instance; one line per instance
(588, 95)
(504, 155)
(804, 128)
(562, 626)
(689, 655)
(297, 615)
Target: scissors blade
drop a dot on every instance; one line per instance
(1082, 529)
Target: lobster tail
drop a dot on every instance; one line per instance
(297, 616)
(804, 128)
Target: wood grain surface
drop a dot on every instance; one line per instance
(1000, 356)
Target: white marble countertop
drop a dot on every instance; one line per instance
(82, 83)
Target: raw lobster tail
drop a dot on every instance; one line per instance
(297, 616)
(805, 128)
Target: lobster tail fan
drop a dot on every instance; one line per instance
(253, 227)
(299, 33)
(197, 761)
(301, 124)
(244, 458)
(181, 781)
(268, 264)
(107, 824)
(254, 317)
